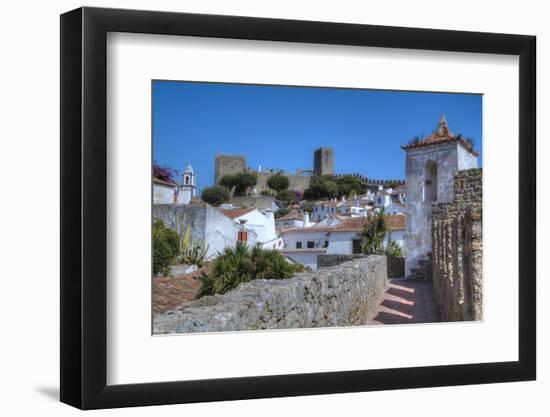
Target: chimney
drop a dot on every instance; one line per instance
(306, 218)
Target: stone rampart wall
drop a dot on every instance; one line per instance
(457, 250)
(344, 295)
(394, 265)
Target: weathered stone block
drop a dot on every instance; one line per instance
(344, 295)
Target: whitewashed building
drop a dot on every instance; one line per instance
(164, 192)
(169, 192)
(296, 218)
(261, 223)
(343, 237)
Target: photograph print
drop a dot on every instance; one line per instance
(294, 207)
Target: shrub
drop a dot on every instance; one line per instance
(240, 264)
(166, 247)
(322, 186)
(193, 253)
(349, 185)
(373, 234)
(282, 212)
(241, 182)
(394, 250)
(286, 196)
(278, 182)
(164, 172)
(215, 195)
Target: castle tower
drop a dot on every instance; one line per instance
(188, 186)
(323, 161)
(430, 167)
(226, 164)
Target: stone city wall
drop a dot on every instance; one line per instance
(394, 265)
(457, 250)
(295, 182)
(343, 295)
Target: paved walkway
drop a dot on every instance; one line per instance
(407, 301)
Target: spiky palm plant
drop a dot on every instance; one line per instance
(240, 264)
(373, 234)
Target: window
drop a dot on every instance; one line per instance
(186, 179)
(310, 244)
(430, 181)
(298, 245)
(356, 243)
(326, 244)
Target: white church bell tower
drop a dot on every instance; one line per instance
(188, 186)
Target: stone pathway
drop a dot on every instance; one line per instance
(407, 301)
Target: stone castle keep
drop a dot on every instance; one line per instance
(323, 164)
(227, 164)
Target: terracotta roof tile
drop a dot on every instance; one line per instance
(351, 224)
(234, 213)
(442, 135)
(163, 182)
(293, 215)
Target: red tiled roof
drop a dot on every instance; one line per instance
(163, 182)
(356, 224)
(293, 215)
(351, 224)
(442, 135)
(234, 213)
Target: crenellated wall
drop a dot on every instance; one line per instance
(457, 250)
(344, 295)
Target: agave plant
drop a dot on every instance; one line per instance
(373, 234)
(195, 254)
(241, 264)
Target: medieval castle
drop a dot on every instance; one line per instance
(323, 164)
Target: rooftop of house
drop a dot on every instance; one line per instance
(351, 224)
(293, 215)
(157, 180)
(236, 213)
(440, 136)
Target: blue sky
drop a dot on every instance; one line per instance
(280, 127)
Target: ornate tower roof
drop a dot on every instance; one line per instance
(440, 136)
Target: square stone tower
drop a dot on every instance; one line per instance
(323, 161)
(228, 164)
(430, 167)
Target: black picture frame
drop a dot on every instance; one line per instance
(84, 207)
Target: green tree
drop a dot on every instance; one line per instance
(166, 247)
(282, 212)
(242, 181)
(215, 195)
(373, 234)
(278, 182)
(286, 196)
(322, 186)
(349, 185)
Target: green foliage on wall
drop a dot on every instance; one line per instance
(278, 182)
(215, 195)
(240, 264)
(166, 247)
(241, 182)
